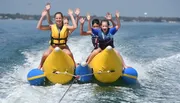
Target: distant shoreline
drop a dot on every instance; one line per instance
(122, 18)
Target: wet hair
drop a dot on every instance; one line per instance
(64, 18)
(95, 21)
(61, 16)
(105, 21)
(58, 13)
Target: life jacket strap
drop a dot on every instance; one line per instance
(58, 39)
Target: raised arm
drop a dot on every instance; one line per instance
(82, 32)
(109, 17)
(39, 25)
(48, 7)
(118, 20)
(74, 26)
(89, 21)
(77, 12)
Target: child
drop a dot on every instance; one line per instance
(105, 38)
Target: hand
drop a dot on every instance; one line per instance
(70, 11)
(44, 12)
(117, 14)
(77, 11)
(82, 20)
(108, 16)
(88, 16)
(48, 6)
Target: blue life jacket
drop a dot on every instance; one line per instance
(105, 40)
(94, 41)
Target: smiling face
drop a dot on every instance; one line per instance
(104, 26)
(58, 18)
(66, 22)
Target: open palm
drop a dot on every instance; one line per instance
(117, 14)
(44, 12)
(82, 20)
(48, 6)
(88, 16)
(70, 11)
(77, 11)
(108, 16)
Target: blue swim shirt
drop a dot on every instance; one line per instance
(112, 31)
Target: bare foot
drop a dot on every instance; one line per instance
(39, 67)
(125, 66)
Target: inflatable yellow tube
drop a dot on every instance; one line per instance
(59, 67)
(107, 66)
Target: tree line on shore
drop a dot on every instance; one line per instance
(123, 18)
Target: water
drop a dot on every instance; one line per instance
(152, 48)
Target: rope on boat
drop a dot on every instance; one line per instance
(67, 90)
(77, 77)
(99, 72)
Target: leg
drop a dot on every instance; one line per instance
(68, 51)
(90, 54)
(93, 54)
(88, 58)
(45, 55)
(123, 63)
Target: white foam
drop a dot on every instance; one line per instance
(172, 62)
(81, 48)
(18, 90)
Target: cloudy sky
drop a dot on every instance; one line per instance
(154, 8)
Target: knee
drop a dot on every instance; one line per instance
(117, 52)
(96, 51)
(68, 52)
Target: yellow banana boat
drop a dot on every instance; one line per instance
(59, 67)
(107, 66)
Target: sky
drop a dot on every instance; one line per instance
(132, 8)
